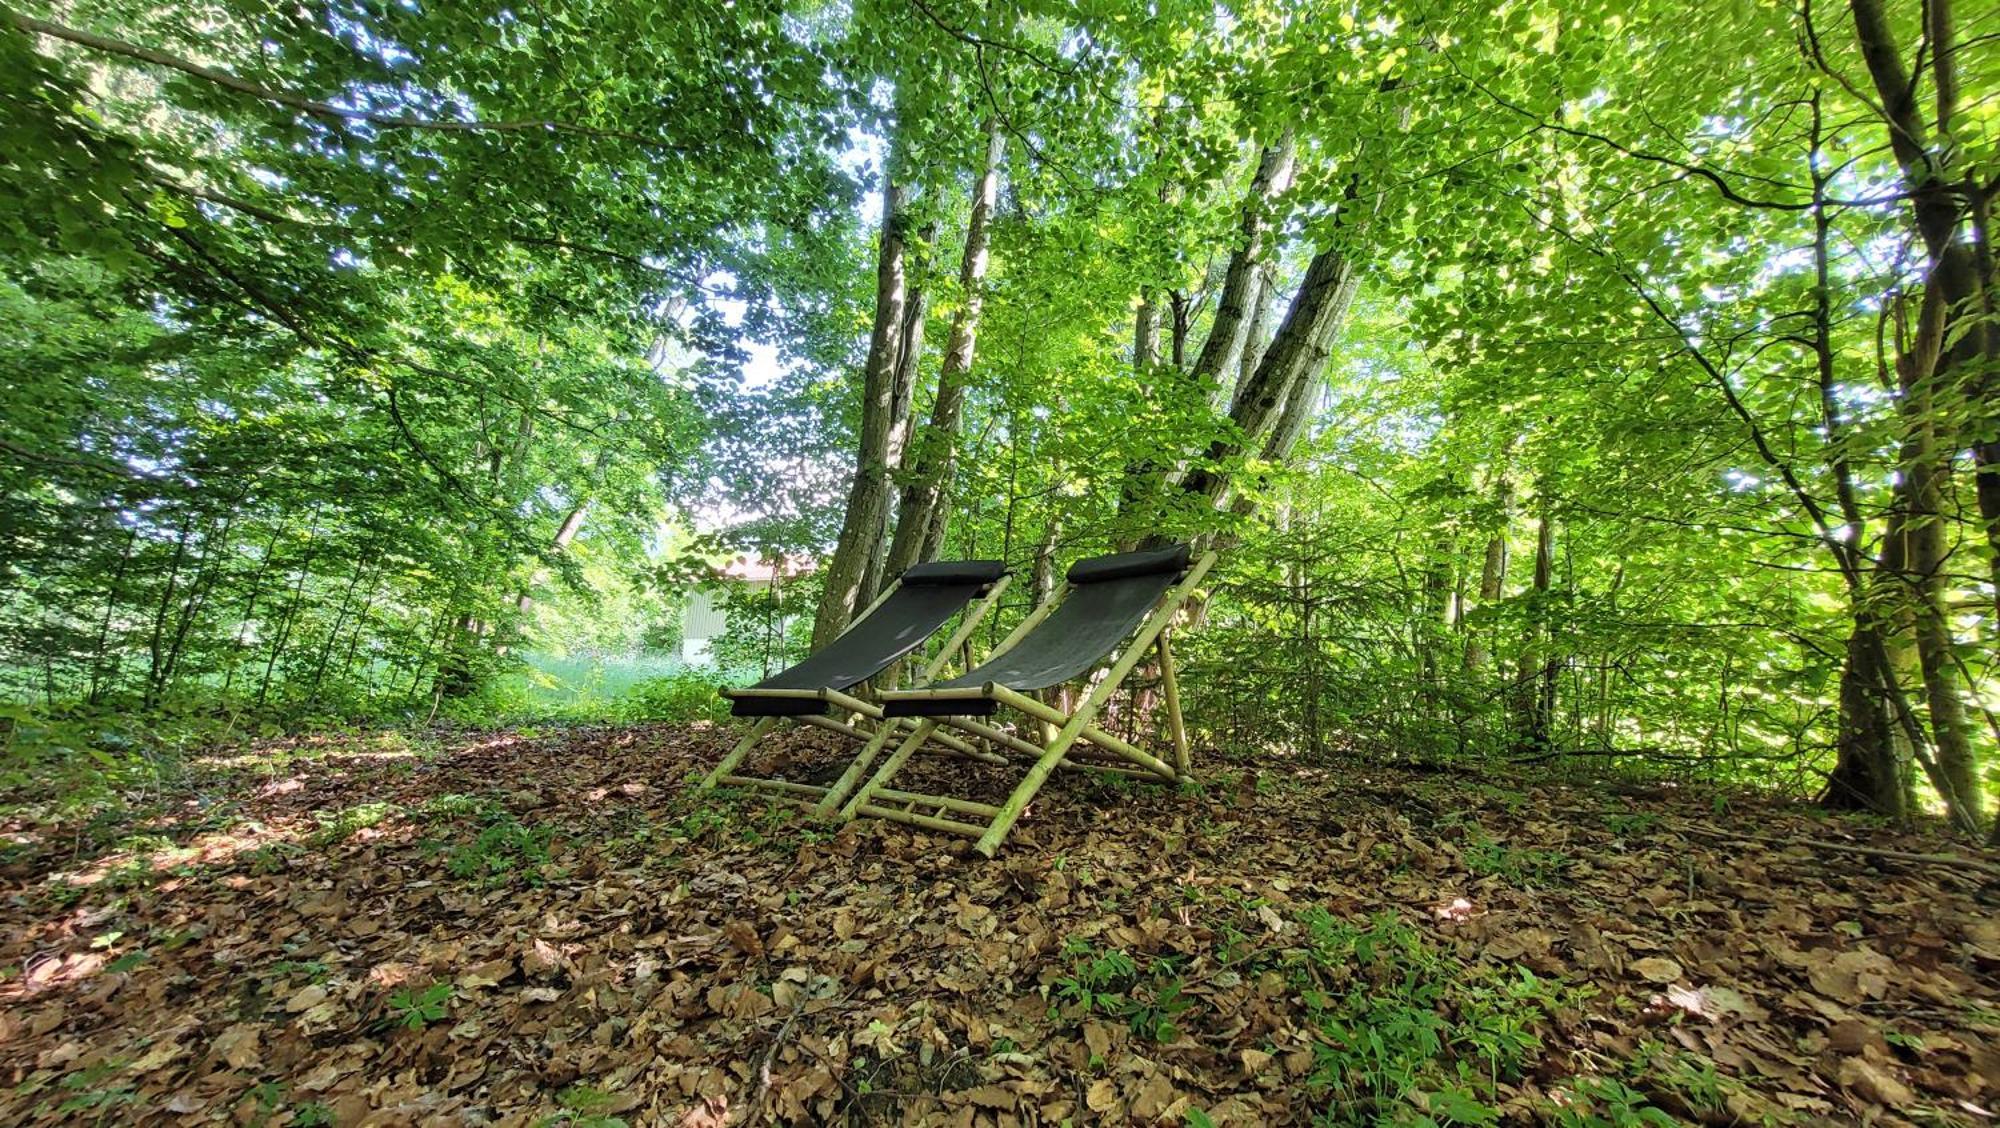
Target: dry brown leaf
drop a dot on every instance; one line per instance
(1656, 969)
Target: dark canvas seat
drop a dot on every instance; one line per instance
(817, 691)
(1109, 596)
(1129, 599)
(926, 598)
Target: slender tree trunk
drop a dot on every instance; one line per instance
(208, 569)
(99, 675)
(1534, 675)
(868, 497)
(1297, 353)
(922, 517)
(156, 646)
(1493, 570)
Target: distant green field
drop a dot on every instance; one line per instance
(581, 685)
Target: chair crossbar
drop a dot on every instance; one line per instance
(927, 822)
(782, 785)
(913, 799)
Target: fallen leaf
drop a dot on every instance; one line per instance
(1657, 969)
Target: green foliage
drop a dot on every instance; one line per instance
(582, 1106)
(503, 851)
(1609, 454)
(1407, 1034)
(675, 698)
(1526, 867)
(1112, 983)
(337, 826)
(413, 1009)
(1603, 1102)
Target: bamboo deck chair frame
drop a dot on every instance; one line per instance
(953, 704)
(787, 696)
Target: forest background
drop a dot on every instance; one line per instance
(1563, 382)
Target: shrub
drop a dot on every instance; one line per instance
(674, 698)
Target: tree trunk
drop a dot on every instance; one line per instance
(1924, 551)
(1493, 570)
(1223, 347)
(910, 355)
(868, 497)
(1960, 269)
(1866, 775)
(1297, 353)
(1257, 337)
(1534, 674)
(921, 514)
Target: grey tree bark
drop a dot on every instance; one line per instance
(868, 497)
(921, 515)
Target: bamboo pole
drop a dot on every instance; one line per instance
(830, 802)
(948, 826)
(737, 753)
(751, 693)
(988, 732)
(1173, 695)
(852, 703)
(783, 785)
(1030, 748)
(1092, 733)
(1010, 812)
(889, 768)
(942, 693)
(962, 806)
(831, 725)
(1033, 620)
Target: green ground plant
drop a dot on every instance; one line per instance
(1407, 1034)
(1111, 983)
(413, 1008)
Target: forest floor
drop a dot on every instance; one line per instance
(548, 927)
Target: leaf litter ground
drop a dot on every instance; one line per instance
(549, 927)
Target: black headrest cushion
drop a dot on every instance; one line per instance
(956, 572)
(1125, 565)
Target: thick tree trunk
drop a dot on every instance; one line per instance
(1867, 775)
(1257, 336)
(910, 355)
(1922, 553)
(1960, 269)
(868, 497)
(1297, 353)
(1223, 348)
(921, 517)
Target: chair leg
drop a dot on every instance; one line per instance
(889, 768)
(1011, 810)
(1173, 693)
(737, 753)
(830, 803)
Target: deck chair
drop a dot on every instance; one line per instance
(921, 601)
(1130, 598)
